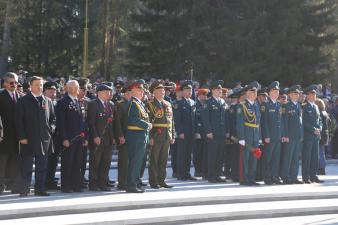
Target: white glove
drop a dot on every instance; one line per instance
(241, 142)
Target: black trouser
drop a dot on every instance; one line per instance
(184, 151)
(228, 158)
(122, 165)
(9, 170)
(198, 155)
(84, 163)
(99, 166)
(173, 154)
(71, 160)
(234, 148)
(26, 168)
(53, 160)
(215, 152)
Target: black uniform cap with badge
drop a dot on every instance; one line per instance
(263, 92)
(311, 89)
(103, 87)
(50, 85)
(273, 86)
(253, 86)
(217, 84)
(295, 89)
(157, 84)
(236, 92)
(186, 85)
(137, 84)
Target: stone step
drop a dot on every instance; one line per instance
(183, 194)
(193, 214)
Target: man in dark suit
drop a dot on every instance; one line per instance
(9, 149)
(101, 138)
(71, 129)
(34, 121)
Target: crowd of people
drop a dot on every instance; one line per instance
(244, 134)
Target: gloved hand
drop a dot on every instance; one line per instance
(241, 142)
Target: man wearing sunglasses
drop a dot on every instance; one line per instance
(9, 145)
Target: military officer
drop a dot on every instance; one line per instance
(174, 147)
(233, 146)
(161, 135)
(185, 117)
(120, 125)
(119, 84)
(248, 132)
(292, 119)
(200, 159)
(137, 138)
(216, 125)
(312, 128)
(272, 134)
(101, 138)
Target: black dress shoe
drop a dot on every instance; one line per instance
(316, 180)
(94, 189)
(213, 181)
(110, 185)
(244, 183)
(165, 185)
(105, 189)
(84, 186)
(307, 182)
(221, 180)
(182, 179)
(143, 184)
(155, 186)
(277, 182)
(41, 193)
(298, 182)
(66, 190)
(112, 182)
(253, 183)
(121, 187)
(134, 190)
(2, 188)
(191, 178)
(24, 193)
(268, 182)
(78, 190)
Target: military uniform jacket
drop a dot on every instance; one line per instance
(185, 117)
(232, 119)
(271, 124)
(97, 117)
(120, 122)
(161, 116)
(69, 123)
(311, 120)
(199, 126)
(138, 117)
(293, 122)
(248, 118)
(34, 121)
(215, 118)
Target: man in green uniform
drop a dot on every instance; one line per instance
(120, 134)
(249, 135)
(161, 136)
(137, 138)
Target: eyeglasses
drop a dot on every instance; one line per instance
(13, 83)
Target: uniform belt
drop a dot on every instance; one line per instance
(161, 125)
(134, 128)
(251, 125)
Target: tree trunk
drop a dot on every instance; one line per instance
(6, 39)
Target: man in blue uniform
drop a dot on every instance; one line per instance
(201, 153)
(293, 128)
(312, 128)
(215, 125)
(137, 135)
(272, 134)
(185, 118)
(249, 135)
